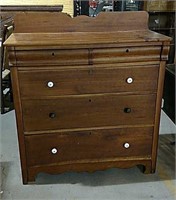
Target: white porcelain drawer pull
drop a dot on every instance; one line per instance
(50, 84)
(54, 151)
(126, 145)
(129, 80)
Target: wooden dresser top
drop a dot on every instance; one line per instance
(59, 29)
(81, 38)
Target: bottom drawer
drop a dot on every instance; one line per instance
(80, 146)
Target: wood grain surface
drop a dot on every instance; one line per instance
(78, 39)
(61, 22)
(87, 56)
(87, 80)
(78, 147)
(82, 111)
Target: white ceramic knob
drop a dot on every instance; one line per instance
(50, 84)
(129, 80)
(54, 151)
(126, 145)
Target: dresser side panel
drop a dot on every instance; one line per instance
(19, 121)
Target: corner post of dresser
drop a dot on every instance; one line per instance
(158, 113)
(165, 50)
(163, 58)
(19, 122)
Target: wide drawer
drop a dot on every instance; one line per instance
(88, 111)
(87, 80)
(82, 146)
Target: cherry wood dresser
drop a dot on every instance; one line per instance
(87, 91)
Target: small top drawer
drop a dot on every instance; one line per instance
(87, 80)
(126, 54)
(51, 57)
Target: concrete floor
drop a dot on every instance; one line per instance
(119, 184)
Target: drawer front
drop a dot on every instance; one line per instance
(121, 55)
(87, 56)
(88, 111)
(80, 146)
(89, 80)
(52, 57)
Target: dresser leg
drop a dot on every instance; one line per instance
(31, 179)
(146, 169)
(25, 181)
(24, 177)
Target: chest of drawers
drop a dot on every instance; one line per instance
(87, 91)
